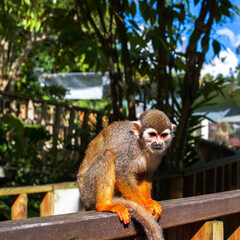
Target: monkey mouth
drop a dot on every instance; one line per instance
(156, 146)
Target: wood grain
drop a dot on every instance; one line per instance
(89, 225)
(36, 189)
(19, 207)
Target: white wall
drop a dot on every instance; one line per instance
(66, 201)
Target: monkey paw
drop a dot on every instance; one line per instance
(122, 212)
(154, 208)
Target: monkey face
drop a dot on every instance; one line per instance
(157, 142)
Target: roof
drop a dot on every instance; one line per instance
(89, 85)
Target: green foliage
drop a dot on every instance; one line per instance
(5, 210)
(30, 85)
(29, 157)
(22, 150)
(92, 104)
(83, 37)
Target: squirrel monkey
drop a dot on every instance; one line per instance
(115, 175)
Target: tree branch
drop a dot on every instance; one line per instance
(87, 15)
(101, 18)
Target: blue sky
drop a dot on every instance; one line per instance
(228, 34)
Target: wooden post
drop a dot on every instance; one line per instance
(47, 204)
(19, 207)
(176, 187)
(211, 230)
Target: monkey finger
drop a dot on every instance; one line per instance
(123, 213)
(124, 218)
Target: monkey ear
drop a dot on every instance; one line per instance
(174, 127)
(137, 128)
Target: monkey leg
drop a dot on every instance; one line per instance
(105, 183)
(130, 190)
(151, 205)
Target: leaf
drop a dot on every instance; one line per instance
(216, 47)
(196, 2)
(145, 10)
(225, 11)
(155, 42)
(180, 64)
(218, 14)
(132, 9)
(35, 133)
(18, 127)
(134, 24)
(14, 122)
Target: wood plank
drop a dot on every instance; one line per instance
(47, 205)
(88, 225)
(64, 185)
(211, 230)
(193, 209)
(211, 164)
(27, 189)
(19, 207)
(36, 189)
(49, 102)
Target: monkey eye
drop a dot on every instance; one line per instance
(152, 134)
(164, 135)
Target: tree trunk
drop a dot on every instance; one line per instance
(113, 86)
(194, 62)
(121, 29)
(15, 73)
(162, 78)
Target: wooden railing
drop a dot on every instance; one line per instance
(184, 218)
(215, 176)
(71, 127)
(51, 114)
(194, 181)
(19, 207)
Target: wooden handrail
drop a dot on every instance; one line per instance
(212, 164)
(50, 102)
(199, 168)
(36, 189)
(19, 207)
(92, 225)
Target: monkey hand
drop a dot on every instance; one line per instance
(122, 212)
(154, 208)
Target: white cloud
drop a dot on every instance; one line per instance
(223, 64)
(234, 39)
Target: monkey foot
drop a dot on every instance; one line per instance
(154, 208)
(121, 211)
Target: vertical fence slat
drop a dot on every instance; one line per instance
(238, 173)
(19, 207)
(215, 180)
(47, 204)
(43, 117)
(176, 187)
(211, 230)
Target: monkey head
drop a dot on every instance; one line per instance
(154, 131)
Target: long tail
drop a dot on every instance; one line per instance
(151, 227)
